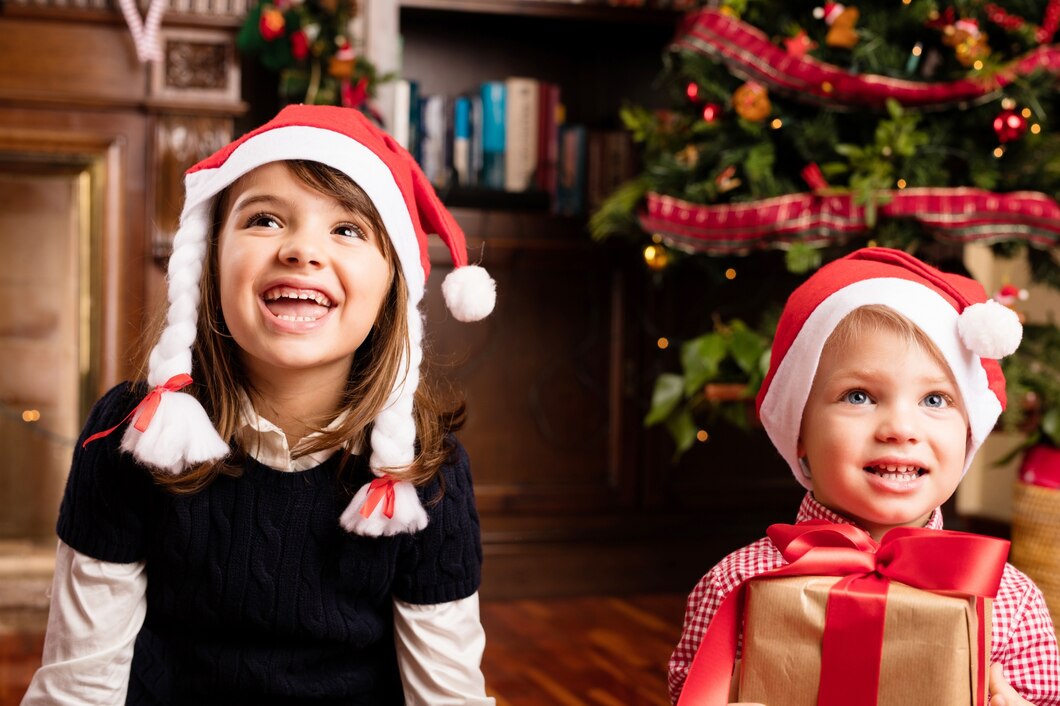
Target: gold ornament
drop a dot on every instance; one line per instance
(842, 33)
(688, 157)
(657, 257)
(751, 102)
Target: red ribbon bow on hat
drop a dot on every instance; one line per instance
(933, 560)
(379, 489)
(147, 407)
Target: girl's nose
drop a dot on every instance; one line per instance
(300, 248)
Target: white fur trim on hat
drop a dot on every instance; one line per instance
(782, 407)
(470, 293)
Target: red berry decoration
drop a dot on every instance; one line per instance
(1009, 125)
(692, 91)
(711, 112)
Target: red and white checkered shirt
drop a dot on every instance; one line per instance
(1023, 638)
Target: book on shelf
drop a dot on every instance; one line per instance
(550, 117)
(433, 142)
(399, 118)
(462, 140)
(610, 164)
(493, 134)
(475, 176)
(520, 132)
(571, 170)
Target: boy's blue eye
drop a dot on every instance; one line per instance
(936, 400)
(856, 397)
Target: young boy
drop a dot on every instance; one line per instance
(882, 385)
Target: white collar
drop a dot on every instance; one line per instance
(266, 443)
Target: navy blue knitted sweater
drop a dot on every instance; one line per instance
(255, 594)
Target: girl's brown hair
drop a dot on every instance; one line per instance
(376, 364)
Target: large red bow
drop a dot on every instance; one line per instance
(378, 490)
(147, 407)
(933, 560)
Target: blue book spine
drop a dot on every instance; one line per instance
(462, 140)
(493, 138)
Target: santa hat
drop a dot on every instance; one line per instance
(179, 434)
(969, 329)
(830, 12)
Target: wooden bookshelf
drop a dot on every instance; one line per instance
(575, 495)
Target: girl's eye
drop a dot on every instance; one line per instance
(349, 230)
(856, 397)
(937, 400)
(262, 220)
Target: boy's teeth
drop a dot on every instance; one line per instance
(899, 473)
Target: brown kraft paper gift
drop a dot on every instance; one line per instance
(929, 651)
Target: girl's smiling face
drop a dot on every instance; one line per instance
(302, 278)
(884, 431)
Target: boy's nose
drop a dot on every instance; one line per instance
(299, 248)
(897, 425)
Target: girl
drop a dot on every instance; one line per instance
(214, 554)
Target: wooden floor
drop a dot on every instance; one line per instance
(591, 651)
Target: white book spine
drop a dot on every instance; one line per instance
(521, 117)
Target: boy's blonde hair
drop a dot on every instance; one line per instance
(879, 317)
(372, 375)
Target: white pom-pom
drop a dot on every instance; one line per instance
(179, 436)
(989, 329)
(470, 293)
(409, 515)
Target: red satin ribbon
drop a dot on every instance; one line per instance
(933, 560)
(379, 489)
(147, 407)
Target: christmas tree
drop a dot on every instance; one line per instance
(814, 130)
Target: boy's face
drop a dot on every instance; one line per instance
(884, 432)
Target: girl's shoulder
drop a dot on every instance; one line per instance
(115, 404)
(453, 476)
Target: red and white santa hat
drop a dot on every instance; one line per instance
(971, 330)
(830, 12)
(180, 434)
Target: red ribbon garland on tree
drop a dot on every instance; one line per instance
(934, 560)
(750, 55)
(958, 214)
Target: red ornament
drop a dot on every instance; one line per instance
(800, 44)
(271, 24)
(692, 91)
(711, 112)
(1009, 125)
(299, 45)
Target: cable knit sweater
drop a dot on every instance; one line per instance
(254, 592)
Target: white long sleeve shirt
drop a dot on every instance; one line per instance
(98, 607)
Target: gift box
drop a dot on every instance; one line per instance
(852, 621)
(930, 650)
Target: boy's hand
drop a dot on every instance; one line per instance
(1001, 694)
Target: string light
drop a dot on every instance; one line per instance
(656, 257)
(978, 65)
(776, 124)
(663, 343)
(31, 415)
(901, 184)
(730, 273)
(702, 435)
(1036, 128)
(692, 91)
(998, 151)
(656, 238)
(1026, 112)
